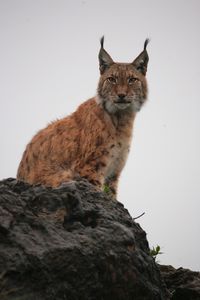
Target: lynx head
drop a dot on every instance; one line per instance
(122, 86)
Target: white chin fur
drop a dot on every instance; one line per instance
(122, 106)
(112, 108)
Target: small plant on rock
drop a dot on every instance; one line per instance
(155, 251)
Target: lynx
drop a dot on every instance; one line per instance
(94, 141)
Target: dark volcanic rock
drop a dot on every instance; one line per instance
(183, 284)
(72, 243)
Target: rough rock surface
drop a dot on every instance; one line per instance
(183, 284)
(72, 243)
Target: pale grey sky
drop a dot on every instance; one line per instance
(49, 65)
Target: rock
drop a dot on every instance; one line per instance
(72, 243)
(183, 284)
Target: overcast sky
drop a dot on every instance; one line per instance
(49, 65)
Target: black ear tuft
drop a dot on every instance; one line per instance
(102, 41)
(146, 43)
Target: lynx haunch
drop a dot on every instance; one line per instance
(94, 141)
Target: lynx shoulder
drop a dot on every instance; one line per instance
(94, 141)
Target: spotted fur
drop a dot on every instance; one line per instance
(94, 141)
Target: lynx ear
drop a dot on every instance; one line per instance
(105, 60)
(140, 63)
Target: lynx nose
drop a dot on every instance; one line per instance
(121, 97)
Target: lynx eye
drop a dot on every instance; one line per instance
(112, 80)
(132, 80)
